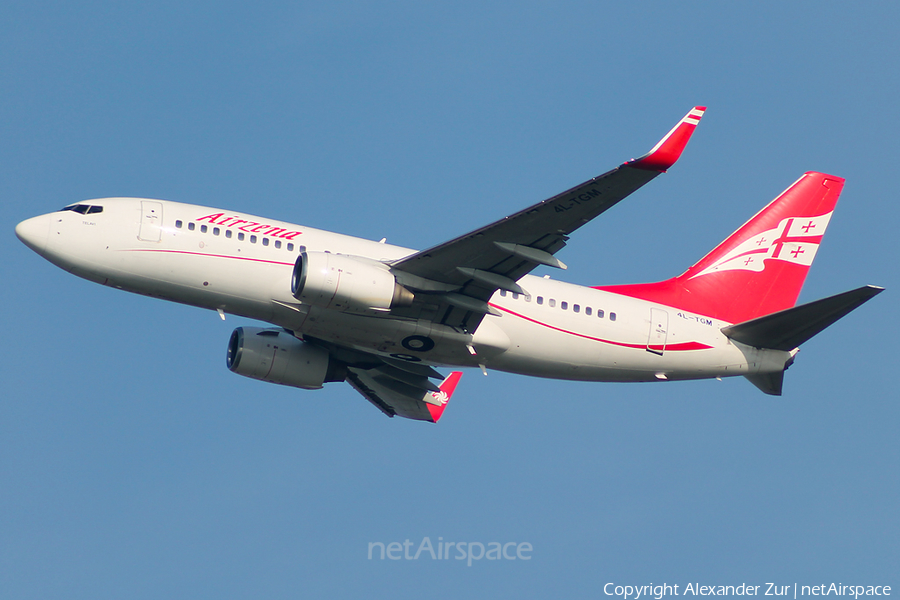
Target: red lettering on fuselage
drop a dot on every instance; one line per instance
(250, 226)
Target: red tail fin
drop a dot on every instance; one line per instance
(761, 267)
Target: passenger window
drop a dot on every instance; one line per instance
(240, 236)
(515, 296)
(503, 293)
(290, 247)
(265, 241)
(178, 224)
(540, 300)
(228, 233)
(587, 310)
(552, 302)
(252, 239)
(612, 316)
(564, 305)
(576, 308)
(278, 243)
(215, 231)
(94, 210)
(203, 228)
(191, 226)
(303, 248)
(599, 313)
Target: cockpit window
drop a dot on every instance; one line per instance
(84, 209)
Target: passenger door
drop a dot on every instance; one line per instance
(151, 221)
(659, 326)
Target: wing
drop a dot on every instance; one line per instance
(454, 280)
(396, 387)
(421, 400)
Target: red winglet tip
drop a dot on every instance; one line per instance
(669, 149)
(447, 387)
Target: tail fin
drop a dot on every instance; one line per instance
(761, 267)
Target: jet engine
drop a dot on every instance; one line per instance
(276, 356)
(345, 284)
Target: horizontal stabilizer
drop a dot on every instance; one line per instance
(787, 329)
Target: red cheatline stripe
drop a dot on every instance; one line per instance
(271, 262)
(672, 347)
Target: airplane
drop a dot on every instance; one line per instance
(383, 317)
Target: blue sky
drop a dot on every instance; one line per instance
(133, 464)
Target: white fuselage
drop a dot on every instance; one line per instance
(241, 264)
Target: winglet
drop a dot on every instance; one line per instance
(669, 149)
(443, 397)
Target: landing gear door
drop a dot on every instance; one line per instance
(151, 221)
(659, 327)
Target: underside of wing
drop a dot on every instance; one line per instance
(454, 280)
(403, 397)
(396, 387)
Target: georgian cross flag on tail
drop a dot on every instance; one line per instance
(789, 230)
(760, 268)
(795, 240)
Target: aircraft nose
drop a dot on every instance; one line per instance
(34, 232)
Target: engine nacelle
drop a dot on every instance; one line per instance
(278, 357)
(346, 284)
